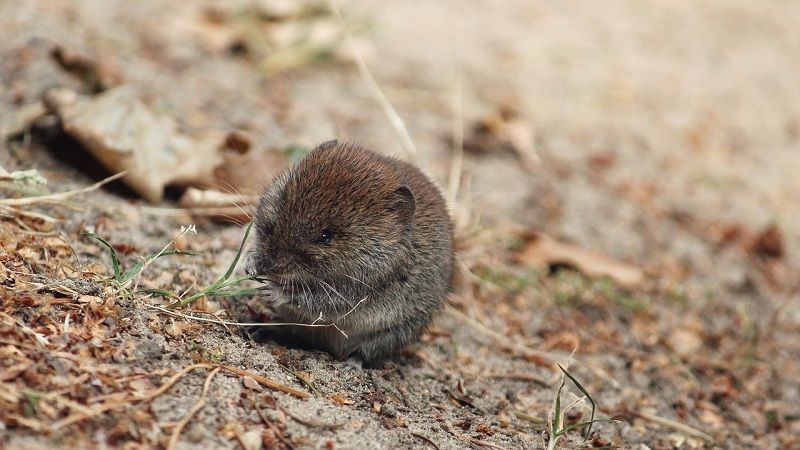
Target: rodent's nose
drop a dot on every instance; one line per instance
(262, 264)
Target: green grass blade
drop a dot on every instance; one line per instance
(154, 291)
(114, 257)
(586, 393)
(132, 272)
(233, 293)
(570, 428)
(239, 254)
(174, 252)
(557, 413)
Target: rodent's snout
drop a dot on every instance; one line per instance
(260, 264)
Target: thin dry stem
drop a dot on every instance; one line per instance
(267, 382)
(227, 323)
(394, 118)
(677, 426)
(457, 162)
(176, 433)
(61, 196)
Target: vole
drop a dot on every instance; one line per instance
(363, 241)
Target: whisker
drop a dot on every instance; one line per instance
(355, 279)
(322, 282)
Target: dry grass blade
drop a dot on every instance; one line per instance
(176, 433)
(55, 198)
(519, 377)
(372, 85)
(426, 439)
(267, 382)
(487, 444)
(457, 162)
(173, 379)
(677, 426)
(8, 211)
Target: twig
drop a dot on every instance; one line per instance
(173, 440)
(267, 382)
(482, 443)
(10, 211)
(519, 377)
(173, 379)
(54, 198)
(426, 439)
(235, 324)
(372, 85)
(269, 424)
(227, 323)
(307, 383)
(677, 426)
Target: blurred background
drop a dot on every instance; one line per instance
(664, 135)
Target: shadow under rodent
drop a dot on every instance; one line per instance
(356, 243)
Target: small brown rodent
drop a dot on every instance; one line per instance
(347, 224)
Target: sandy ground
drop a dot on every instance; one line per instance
(669, 138)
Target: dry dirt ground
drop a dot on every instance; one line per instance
(668, 134)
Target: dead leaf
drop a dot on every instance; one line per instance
(543, 251)
(504, 130)
(124, 134)
(767, 244)
(97, 75)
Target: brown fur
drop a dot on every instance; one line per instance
(346, 224)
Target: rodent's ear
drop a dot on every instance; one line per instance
(404, 204)
(328, 144)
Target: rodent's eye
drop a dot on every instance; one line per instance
(325, 237)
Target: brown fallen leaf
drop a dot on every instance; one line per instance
(503, 131)
(124, 134)
(97, 75)
(541, 250)
(768, 243)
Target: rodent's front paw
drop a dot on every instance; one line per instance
(273, 295)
